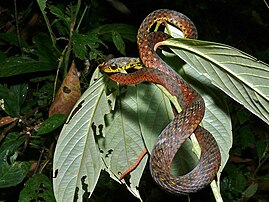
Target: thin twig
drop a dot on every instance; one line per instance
(17, 24)
(82, 16)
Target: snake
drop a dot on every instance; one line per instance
(185, 122)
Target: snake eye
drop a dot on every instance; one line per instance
(114, 66)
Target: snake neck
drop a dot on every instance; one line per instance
(163, 16)
(152, 60)
(147, 39)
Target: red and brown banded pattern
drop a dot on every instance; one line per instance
(186, 122)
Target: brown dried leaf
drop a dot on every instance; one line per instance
(68, 94)
(7, 120)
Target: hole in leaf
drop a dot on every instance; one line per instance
(75, 111)
(86, 193)
(55, 173)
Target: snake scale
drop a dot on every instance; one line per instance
(193, 107)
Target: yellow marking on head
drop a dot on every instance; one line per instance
(114, 68)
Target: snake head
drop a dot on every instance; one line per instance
(108, 68)
(121, 64)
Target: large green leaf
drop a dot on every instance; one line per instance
(83, 42)
(77, 161)
(239, 75)
(140, 113)
(217, 119)
(9, 38)
(12, 172)
(154, 113)
(20, 65)
(10, 145)
(51, 124)
(123, 142)
(126, 31)
(11, 175)
(145, 109)
(13, 97)
(119, 43)
(47, 58)
(138, 108)
(37, 188)
(11, 101)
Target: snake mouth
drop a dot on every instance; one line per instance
(127, 71)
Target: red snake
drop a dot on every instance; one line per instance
(187, 121)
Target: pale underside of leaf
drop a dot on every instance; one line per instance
(241, 76)
(217, 119)
(77, 159)
(155, 112)
(123, 143)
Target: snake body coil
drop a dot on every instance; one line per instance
(186, 122)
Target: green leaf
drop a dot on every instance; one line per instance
(250, 191)
(137, 112)
(242, 77)
(216, 119)
(119, 43)
(37, 188)
(239, 182)
(152, 104)
(123, 143)
(20, 90)
(11, 101)
(235, 182)
(82, 42)
(42, 4)
(13, 98)
(80, 45)
(126, 31)
(11, 175)
(77, 161)
(21, 65)
(62, 22)
(60, 14)
(9, 37)
(10, 145)
(51, 124)
(16, 65)
(261, 149)
(44, 94)
(12, 39)
(46, 52)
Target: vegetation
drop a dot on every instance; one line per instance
(44, 43)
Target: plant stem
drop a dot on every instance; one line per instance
(17, 24)
(82, 16)
(53, 39)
